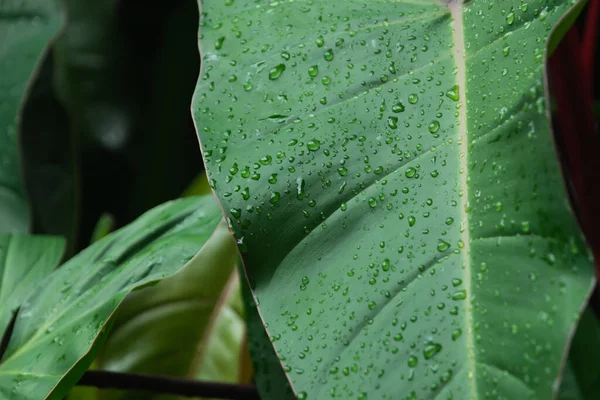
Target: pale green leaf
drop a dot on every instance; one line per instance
(168, 329)
(220, 356)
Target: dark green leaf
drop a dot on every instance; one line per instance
(48, 159)
(125, 72)
(26, 27)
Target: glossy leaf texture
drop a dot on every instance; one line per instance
(60, 324)
(389, 173)
(26, 27)
(169, 329)
(24, 262)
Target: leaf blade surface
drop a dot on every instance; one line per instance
(388, 170)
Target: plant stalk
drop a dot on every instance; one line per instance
(167, 385)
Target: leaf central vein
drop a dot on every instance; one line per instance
(456, 11)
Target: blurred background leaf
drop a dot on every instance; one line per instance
(49, 159)
(26, 28)
(108, 126)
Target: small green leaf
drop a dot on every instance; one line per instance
(104, 226)
(58, 326)
(24, 262)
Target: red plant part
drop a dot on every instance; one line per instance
(570, 73)
(589, 41)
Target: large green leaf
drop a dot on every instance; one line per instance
(167, 329)
(26, 27)
(388, 170)
(24, 262)
(58, 325)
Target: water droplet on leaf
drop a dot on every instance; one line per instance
(431, 349)
(453, 93)
(276, 71)
(434, 126)
(313, 145)
(442, 245)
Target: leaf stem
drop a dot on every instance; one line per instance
(167, 385)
